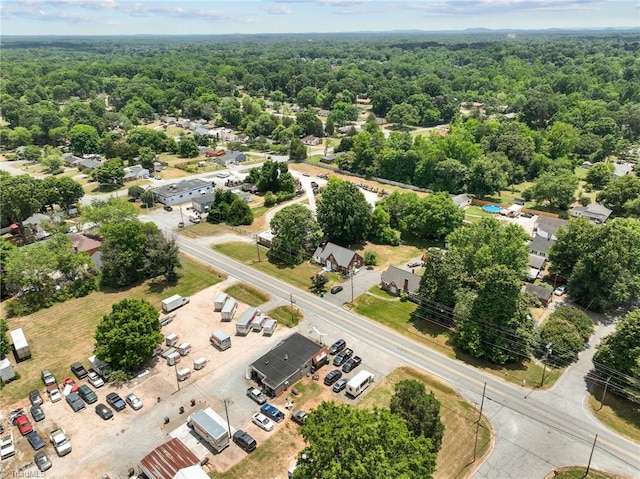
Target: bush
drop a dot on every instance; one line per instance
(370, 258)
(566, 342)
(269, 199)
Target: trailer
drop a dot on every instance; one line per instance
(211, 428)
(228, 311)
(20, 345)
(199, 363)
(172, 339)
(359, 383)
(173, 358)
(184, 349)
(220, 340)
(269, 327)
(258, 323)
(183, 374)
(173, 302)
(243, 325)
(218, 303)
(320, 359)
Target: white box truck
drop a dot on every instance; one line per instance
(243, 325)
(220, 340)
(211, 428)
(269, 327)
(20, 344)
(229, 309)
(258, 323)
(173, 303)
(359, 383)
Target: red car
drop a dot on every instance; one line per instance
(72, 382)
(24, 425)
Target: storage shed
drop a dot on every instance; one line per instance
(166, 460)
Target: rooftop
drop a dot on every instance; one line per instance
(166, 460)
(181, 187)
(398, 276)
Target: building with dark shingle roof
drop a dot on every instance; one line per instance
(337, 258)
(395, 281)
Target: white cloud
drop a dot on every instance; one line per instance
(277, 10)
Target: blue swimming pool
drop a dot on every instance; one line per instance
(493, 209)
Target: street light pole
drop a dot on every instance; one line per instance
(352, 273)
(175, 366)
(544, 363)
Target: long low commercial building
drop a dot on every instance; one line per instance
(183, 191)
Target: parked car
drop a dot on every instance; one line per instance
(7, 448)
(342, 357)
(70, 382)
(168, 208)
(332, 377)
(79, 370)
(414, 264)
(257, 395)
(262, 421)
(134, 401)
(272, 412)
(244, 440)
(76, 403)
(116, 401)
(95, 380)
(47, 377)
(87, 394)
(35, 440)
(35, 398)
(560, 290)
(24, 425)
(60, 442)
(351, 364)
(103, 411)
(54, 393)
(336, 289)
(338, 346)
(299, 416)
(42, 461)
(339, 385)
(37, 413)
(527, 215)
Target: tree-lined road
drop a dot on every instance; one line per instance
(534, 431)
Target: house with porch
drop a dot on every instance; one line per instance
(337, 258)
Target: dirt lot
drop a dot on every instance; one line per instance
(113, 446)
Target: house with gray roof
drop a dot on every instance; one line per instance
(540, 245)
(536, 265)
(547, 226)
(71, 160)
(594, 212)
(88, 164)
(337, 258)
(182, 191)
(396, 281)
(543, 294)
(621, 168)
(461, 201)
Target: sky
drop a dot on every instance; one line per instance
(126, 17)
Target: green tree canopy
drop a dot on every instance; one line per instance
(128, 336)
(347, 442)
(343, 212)
(110, 173)
(432, 217)
(420, 410)
(573, 241)
(556, 188)
(22, 196)
(619, 192)
(296, 233)
(111, 210)
(5, 345)
(84, 139)
(599, 174)
(618, 357)
(123, 252)
(563, 339)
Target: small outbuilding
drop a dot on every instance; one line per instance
(285, 364)
(166, 460)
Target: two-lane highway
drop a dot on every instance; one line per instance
(533, 435)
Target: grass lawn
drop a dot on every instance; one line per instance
(390, 311)
(286, 315)
(619, 414)
(63, 333)
(247, 253)
(247, 294)
(396, 255)
(475, 214)
(458, 416)
(579, 473)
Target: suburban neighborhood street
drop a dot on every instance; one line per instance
(535, 431)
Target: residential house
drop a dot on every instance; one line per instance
(363, 101)
(337, 258)
(230, 157)
(621, 168)
(347, 128)
(71, 160)
(311, 140)
(211, 153)
(540, 245)
(536, 265)
(182, 191)
(396, 281)
(202, 203)
(461, 201)
(136, 172)
(323, 113)
(510, 116)
(265, 238)
(547, 226)
(381, 120)
(595, 212)
(88, 164)
(540, 292)
(587, 164)
(84, 244)
(169, 120)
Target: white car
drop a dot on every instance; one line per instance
(60, 442)
(560, 290)
(95, 380)
(263, 421)
(134, 401)
(54, 395)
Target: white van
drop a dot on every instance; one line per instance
(194, 218)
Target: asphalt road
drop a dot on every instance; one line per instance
(534, 431)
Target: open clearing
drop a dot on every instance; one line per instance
(620, 415)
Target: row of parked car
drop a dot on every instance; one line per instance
(343, 356)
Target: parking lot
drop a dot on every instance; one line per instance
(130, 435)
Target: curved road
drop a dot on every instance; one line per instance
(535, 431)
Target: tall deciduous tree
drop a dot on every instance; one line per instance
(620, 191)
(357, 443)
(487, 176)
(599, 174)
(618, 357)
(343, 212)
(161, 255)
(22, 196)
(443, 276)
(296, 232)
(573, 241)
(110, 173)
(111, 210)
(5, 346)
(432, 217)
(420, 410)
(556, 188)
(297, 150)
(188, 147)
(128, 336)
(122, 252)
(84, 139)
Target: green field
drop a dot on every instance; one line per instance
(63, 333)
(286, 315)
(619, 414)
(247, 294)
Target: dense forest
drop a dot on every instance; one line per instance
(538, 104)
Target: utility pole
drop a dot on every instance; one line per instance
(544, 362)
(590, 456)
(292, 303)
(352, 273)
(604, 394)
(258, 248)
(475, 444)
(175, 367)
(226, 412)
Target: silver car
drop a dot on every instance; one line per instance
(134, 401)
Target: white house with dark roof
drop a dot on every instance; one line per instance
(594, 212)
(182, 191)
(462, 200)
(540, 245)
(337, 258)
(547, 226)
